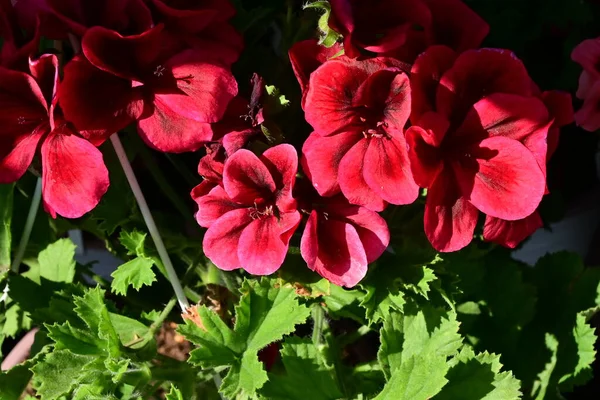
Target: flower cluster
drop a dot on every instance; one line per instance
(163, 65)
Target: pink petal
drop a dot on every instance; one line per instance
(450, 219)
(213, 205)
(586, 82)
(45, 72)
(386, 169)
(74, 175)
(502, 179)
(247, 180)
(263, 244)
(321, 159)
(511, 233)
(424, 154)
(282, 162)
(221, 240)
(587, 54)
(588, 117)
(352, 180)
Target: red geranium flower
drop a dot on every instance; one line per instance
(405, 28)
(587, 54)
(251, 218)
(74, 176)
(358, 110)
(174, 97)
(340, 239)
(478, 143)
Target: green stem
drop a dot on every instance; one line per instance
(318, 316)
(157, 324)
(33, 210)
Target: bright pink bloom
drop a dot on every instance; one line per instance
(174, 97)
(341, 239)
(358, 110)
(478, 142)
(587, 54)
(201, 24)
(251, 218)
(73, 172)
(405, 28)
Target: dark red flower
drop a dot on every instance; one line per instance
(74, 176)
(174, 97)
(251, 218)
(405, 28)
(341, 239)
(201, 24)
(18, 45)
(358, 110)
(587, 54)
(478, 142)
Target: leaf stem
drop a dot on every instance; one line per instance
(156, 324)
(33, 210)
(152, 228)
(318, 316)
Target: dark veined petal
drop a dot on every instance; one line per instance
(222, 239)
(247, 180)
(511, 233)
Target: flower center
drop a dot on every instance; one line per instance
(374, 130)
(258, 212)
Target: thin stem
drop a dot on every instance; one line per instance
(318, 315)
(33, 209)
(155, 325)
(217, 380)
(152, 228)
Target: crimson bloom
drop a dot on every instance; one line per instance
(174, 97)
(17, 45)
(74, 176)
(587, 54)
(251, 218)
(341, 239)
(358, 110)
(405, 28)
(478, 142)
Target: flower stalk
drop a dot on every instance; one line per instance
(149, 220)
(33, 210)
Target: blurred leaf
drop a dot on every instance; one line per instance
(57, 261)
(6, 212)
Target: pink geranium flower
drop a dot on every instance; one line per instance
(587, 54)
(478, 143)
(358, 110)
(74, 176)
(251, 218)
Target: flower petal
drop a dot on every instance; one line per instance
(450, 219)
(321, 159)
(511, 233)
(587, 54)
(45, 72)
(213, 205)
(352, 180)
(588, 116)
(74, 175)
(386, 169)
(221, 240)
(282, 162)
(502, 178)
(264, 243)
(19, 155)
(246, 179)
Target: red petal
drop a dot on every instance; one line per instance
(587, 54)
(45, 72)
(425, 160)
(130, 57)
(352, 180)
(114, 105)
(588, 116)
(306, 57)
(511, 233)
(205, 89)
(74, 175)
(221, 240)
(167, 130)
(220, 41)
(17, 157)
(282, 162)
(450, 219)
(456, 25)
(202, 189)
(321, 159)
(503, 179)
(476, 74)
(213, 205)
(20, 95)
(189, 20)
(387, 171)
(246, 179)
(425, 77)
(340, 256)
(560, 106)
(264, 243)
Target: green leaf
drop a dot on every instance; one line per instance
(14, 382)
(277, 99)
(57, 261)
(6, 211)
(478, 377)
(265, 314)
(134, 242)
(136, 273)
(174, 394)
(306, 374)
(541, 386)
(328, 36)
(419, 280)
(78, 341)
(585, 338)
(59, 373)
